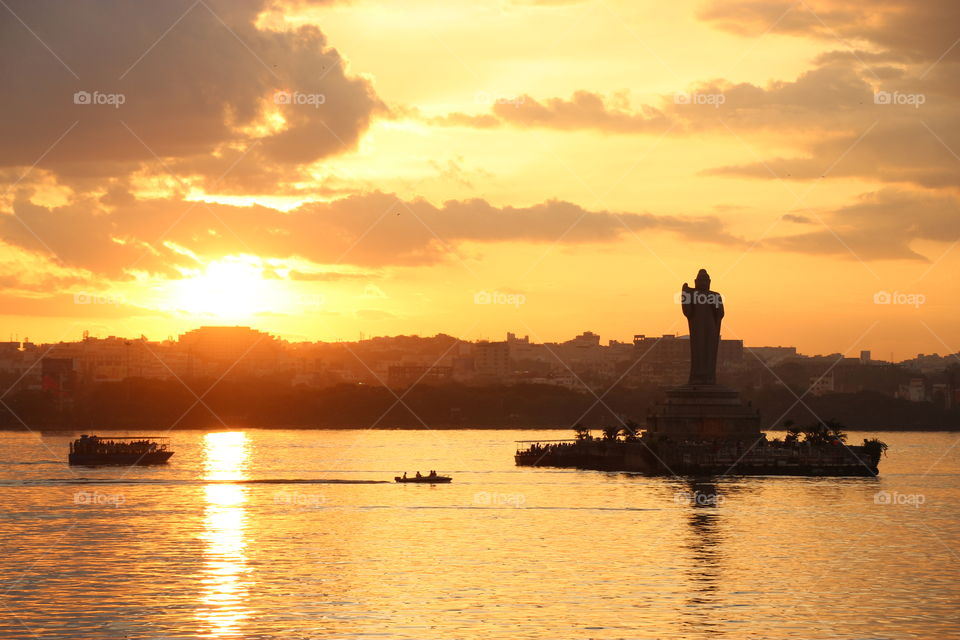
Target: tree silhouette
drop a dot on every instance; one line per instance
(630, 431)
(610, 433)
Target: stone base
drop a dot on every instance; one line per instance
(703, 412)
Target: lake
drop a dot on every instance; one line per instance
(303, 534)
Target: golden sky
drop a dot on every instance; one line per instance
(325, 169)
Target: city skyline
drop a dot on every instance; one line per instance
(127, 382)
(506, 337)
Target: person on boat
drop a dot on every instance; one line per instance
(404, 475)
(418, 475)
(433, 473)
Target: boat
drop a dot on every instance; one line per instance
(427, 479)
(92, 451)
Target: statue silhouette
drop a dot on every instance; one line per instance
(704, 311)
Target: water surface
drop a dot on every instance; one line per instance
(303, 534)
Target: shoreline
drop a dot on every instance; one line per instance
(238, 427)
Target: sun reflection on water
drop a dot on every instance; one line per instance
(223, 607)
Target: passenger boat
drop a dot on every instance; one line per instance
(94, 451)
(432, 478)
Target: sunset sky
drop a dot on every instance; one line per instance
(325, 169)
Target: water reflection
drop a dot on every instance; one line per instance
(223, 605)
(706, 553)
(705, 538)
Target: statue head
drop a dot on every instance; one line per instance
(702, 283)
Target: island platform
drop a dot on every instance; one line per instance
(649, 455)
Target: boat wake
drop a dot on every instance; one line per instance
(181, 482)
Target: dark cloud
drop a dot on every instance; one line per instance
(905, 51)
(81, 235)
(371, 230)
(913, 31)
(902, 148)
(14, 279)
(881, 225)
(194, 79)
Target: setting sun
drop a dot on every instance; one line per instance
(228, 289)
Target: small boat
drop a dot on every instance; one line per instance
(92, 451)
(427, 479)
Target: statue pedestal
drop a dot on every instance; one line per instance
(703, 412)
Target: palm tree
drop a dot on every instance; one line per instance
(793, 433)
(610, 433)
(835, 430)
(816, 434)
(875, 447)
(630, 431)
(582, 432)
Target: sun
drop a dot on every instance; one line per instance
(232, 287)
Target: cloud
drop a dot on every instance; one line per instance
(895, 72)
(818, 98)
(29, 274)
(198, 83)
(369, 230)
(908, 30)
(886, 110)
(828, 98)
(84, 305)
(14, 281)
(881, 225)
(831, 97)
(326, 276)
(584, 110)
(906, 150)
(79, 235)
